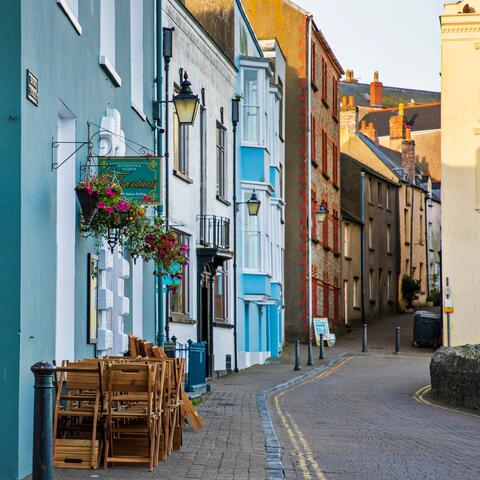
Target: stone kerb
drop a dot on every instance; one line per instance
(455, 375)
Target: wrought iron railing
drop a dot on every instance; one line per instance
(214, 232)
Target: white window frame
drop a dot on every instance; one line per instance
(259, 267)
(389, 239)
(346, 240)
(107, 40)
(137, 66)
(71, 12)
(355, 292)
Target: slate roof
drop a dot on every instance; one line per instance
(392, 96)
(420, 118)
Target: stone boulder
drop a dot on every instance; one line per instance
(455, 375)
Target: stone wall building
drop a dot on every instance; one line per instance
(312, 254)
(460, 30)
(369, 200)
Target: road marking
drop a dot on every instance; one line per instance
(305, 458)
(419, 396)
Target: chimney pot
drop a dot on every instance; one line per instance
(375, 76)
(351, 100)
(344, 101)
(408, 132)
(364, 125)
(401, 109)
(376, 92)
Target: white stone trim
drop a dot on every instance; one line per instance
(70, 15)
(110, 70)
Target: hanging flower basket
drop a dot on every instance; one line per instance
(88, 203)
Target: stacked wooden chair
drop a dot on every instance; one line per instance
(134, 407)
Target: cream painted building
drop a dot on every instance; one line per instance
(460, 25)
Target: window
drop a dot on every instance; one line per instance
(346, 240)
(324, 80)
(379, 194)
(335, 232)
(389, 239)
(335, 96)
(220, 293)
(221, 162)
(370, 233)
(407, 197)
(280, 114)
(388, 203)
(370, 191)
(406, 225)
(313, 140)
(70, 8)
(180, 300)
(389, 286)
(335, 164)
(180, 142)
(314, 65)
(324, 153)
(107, 40)
(420, 277)
(370, 286)
(136, 54)
(422, 230)
(314, 207)
(251, 107)
(325, 228)
(430, 235)
(407, 267)
(251, 241)
(326, 301)
(356, 293)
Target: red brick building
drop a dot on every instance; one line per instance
(312, 256)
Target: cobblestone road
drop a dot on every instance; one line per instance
(353, 422)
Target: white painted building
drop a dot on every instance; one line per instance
(201, 189)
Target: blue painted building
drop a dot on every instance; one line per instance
(260, 166)
(84, 61)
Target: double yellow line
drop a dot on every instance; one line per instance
(420, 398)
(304, 454)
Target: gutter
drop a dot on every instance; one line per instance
(309, 173)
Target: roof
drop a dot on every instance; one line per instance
(391, 158)
(367, 169)
(420, 118)
(350, 217)
(392, 96)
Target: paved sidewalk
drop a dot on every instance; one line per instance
(232, 444)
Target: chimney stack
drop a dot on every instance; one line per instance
(408, 156)
(398, 124)
(376, 92)
(349, 115)
(350, 77)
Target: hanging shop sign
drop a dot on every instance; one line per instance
(138, 176)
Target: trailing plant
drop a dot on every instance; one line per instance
(410, 290)
(435, 296)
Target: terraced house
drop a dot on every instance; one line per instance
(312, 255)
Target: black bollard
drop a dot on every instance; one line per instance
(321, 355)
(365, 338)
(297, 356)
(309, 354)
(42, 468)
(397, 340)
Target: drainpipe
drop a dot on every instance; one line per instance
(411, 228)
(235, 253)
(362, 247)
(427, 246)
(309, 174)
(157, 93)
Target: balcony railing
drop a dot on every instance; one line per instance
(214, 232)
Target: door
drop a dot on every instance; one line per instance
(206, 318)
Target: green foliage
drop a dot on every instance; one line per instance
(410, 290)
(435, 296)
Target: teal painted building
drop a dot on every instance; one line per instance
(94, 62)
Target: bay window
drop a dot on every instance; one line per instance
(220, 293)
(180, 300)
(251, 239)
(251, 107)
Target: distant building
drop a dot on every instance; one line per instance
(400, 168)
(312, 254)
(460, 26)
(369, 210)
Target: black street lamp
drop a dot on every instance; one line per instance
(253, 204)
(186, 103)
(322, 213)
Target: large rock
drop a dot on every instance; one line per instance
(455, 375)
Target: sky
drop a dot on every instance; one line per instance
(399, 38)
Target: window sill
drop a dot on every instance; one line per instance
(316, 241)
(314, 163)
(70, 15)
(389, 210)
(371, 249)
(371, 203)
(390, 253)
(327, 248)
(181, 318)
(223, 200)
(357, 308)
(222, 324)
(110, 70)
(139, 112)
(282, 139)
(314, 86)
(182, 176)
(336, 254)
(379, 205)
(335, 119)
(325, 104)
(325, 175)
(348, 257)
(372, 302)
(336, 186)
(407, 244)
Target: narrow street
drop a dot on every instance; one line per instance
(355, 420)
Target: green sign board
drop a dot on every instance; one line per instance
(137, 176)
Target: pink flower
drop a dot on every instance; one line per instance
(101, 205)
(110, 210)
(110, 192)
(90, 190)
